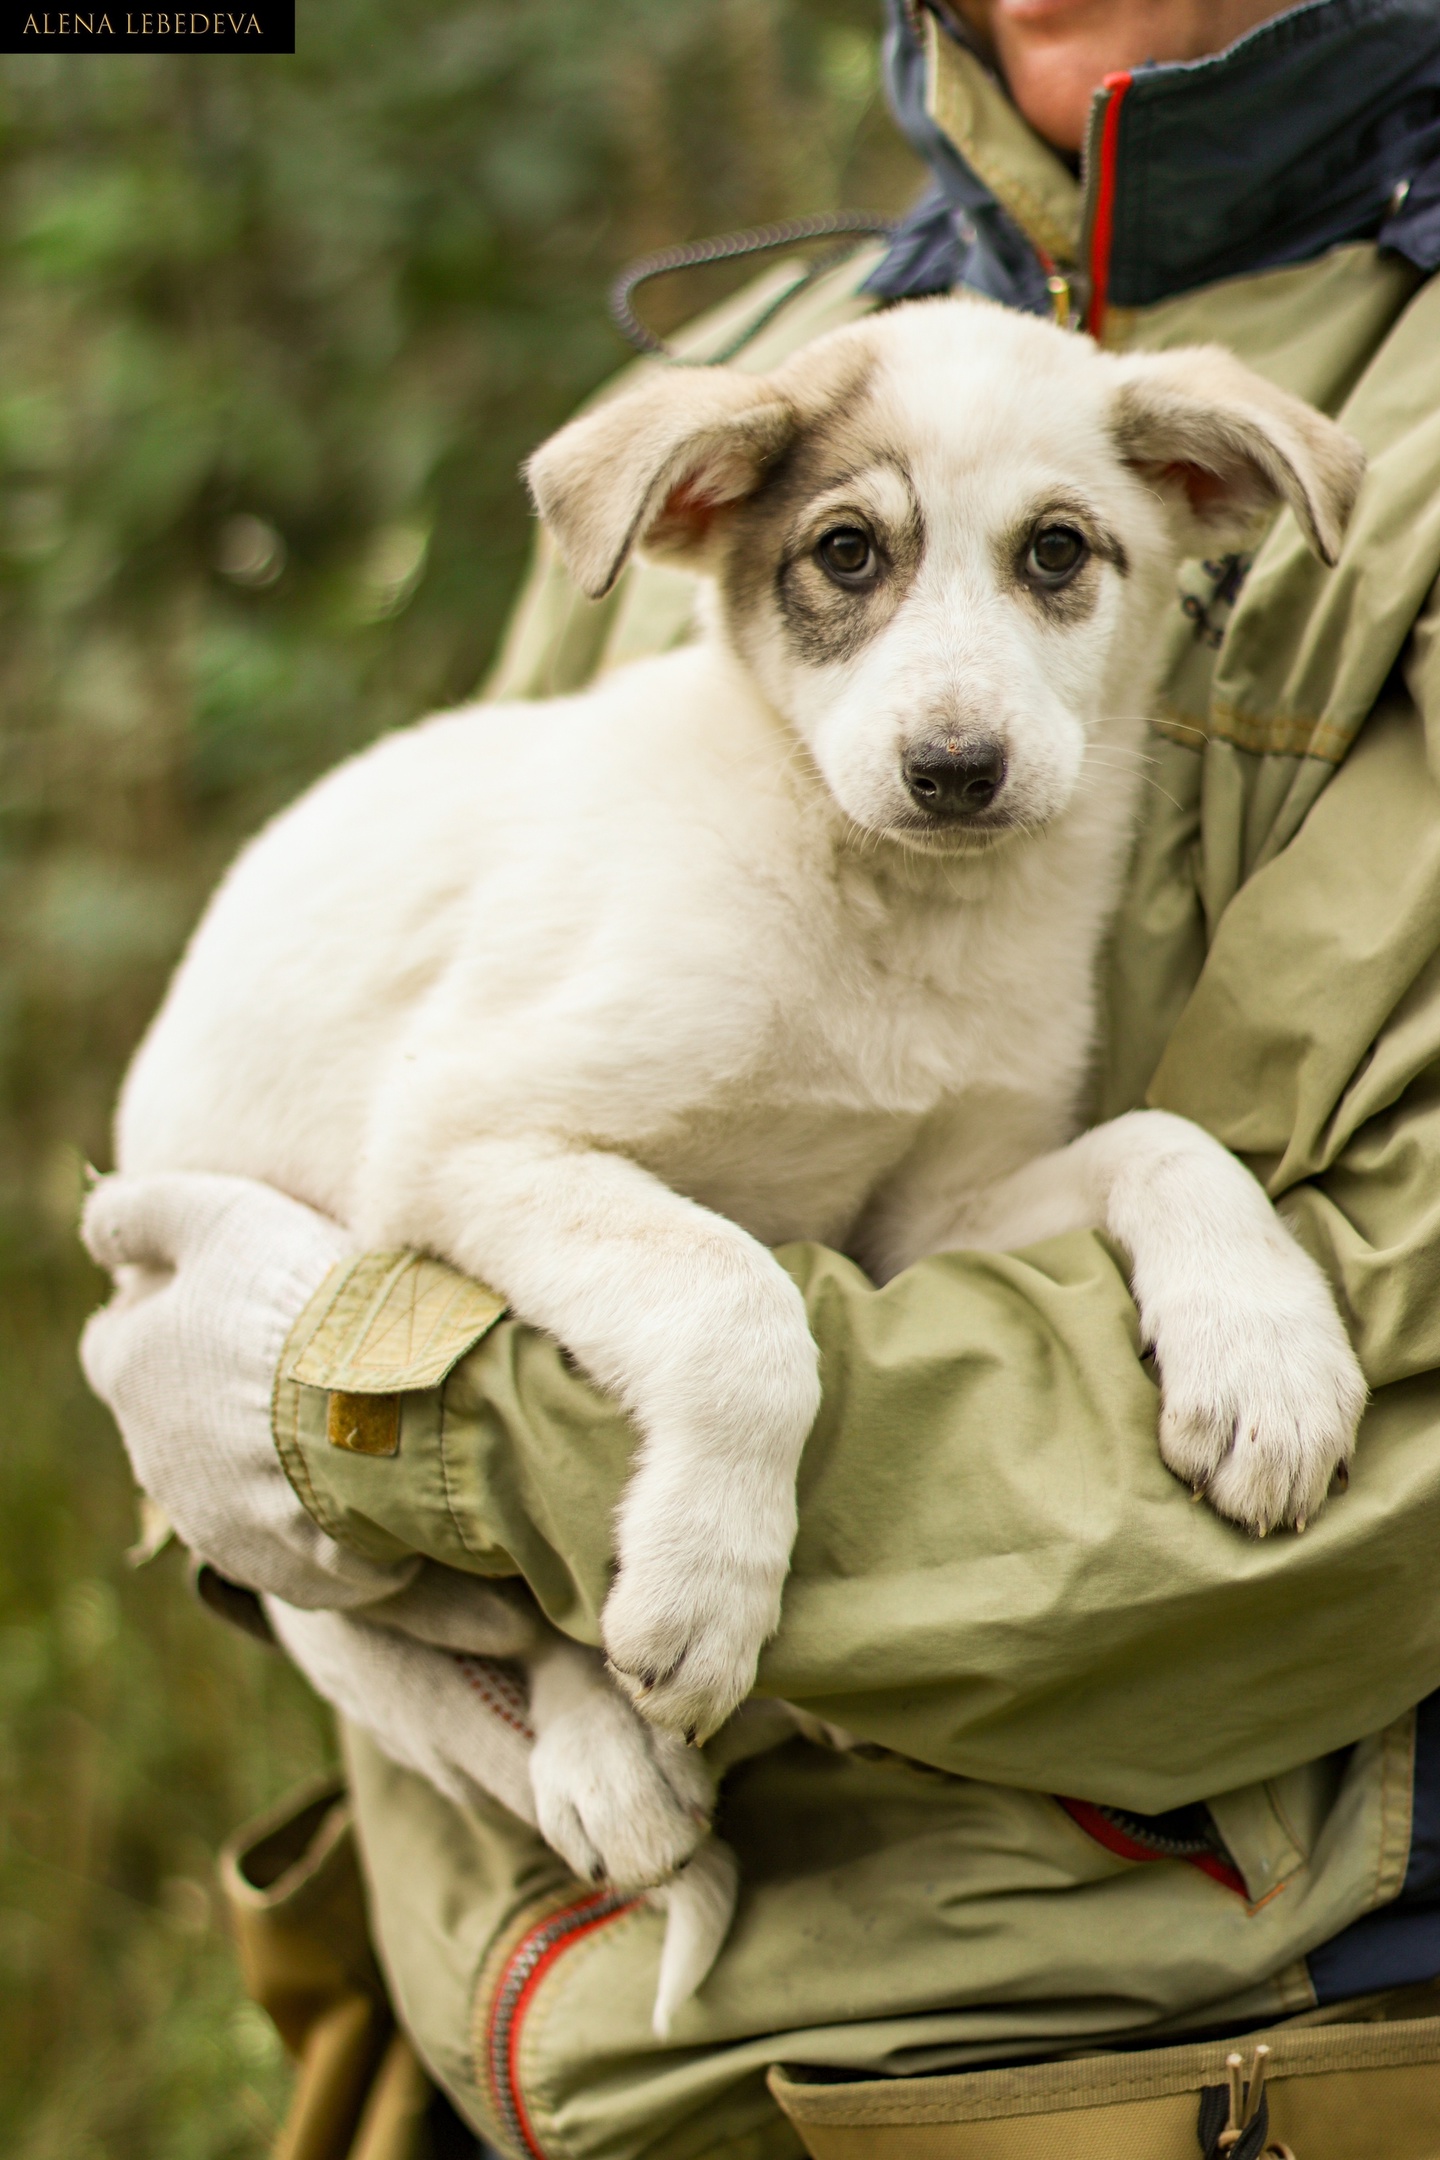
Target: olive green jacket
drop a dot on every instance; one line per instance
(995, 1576)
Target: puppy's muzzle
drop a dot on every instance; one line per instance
(954, 779)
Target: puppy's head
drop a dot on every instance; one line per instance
(944, 538)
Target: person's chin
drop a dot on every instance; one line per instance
(1053, 58)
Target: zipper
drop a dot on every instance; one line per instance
(1132, 1837)
(1102, 152)
(538, 1949)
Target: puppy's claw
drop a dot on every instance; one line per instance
(692, 1696)
(637, 1685)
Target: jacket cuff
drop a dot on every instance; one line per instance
(360, 1383)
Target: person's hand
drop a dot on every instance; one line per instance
(211, 1275)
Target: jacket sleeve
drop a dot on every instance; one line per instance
(994, 1575)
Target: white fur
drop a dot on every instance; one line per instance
(600, 998)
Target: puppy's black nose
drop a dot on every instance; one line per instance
(955, 779)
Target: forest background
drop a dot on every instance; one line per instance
(274, 337)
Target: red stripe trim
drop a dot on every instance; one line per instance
(1103, 228)
(1097, 1825)
(538, 1949)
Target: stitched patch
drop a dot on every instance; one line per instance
(364, 1424)
(287, 1409)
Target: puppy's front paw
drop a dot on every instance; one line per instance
(683, 1628)
(1261, 1390)
(618, 1801)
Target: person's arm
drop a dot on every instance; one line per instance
(994, 1573)
(212, 1272)
(1311, 1043)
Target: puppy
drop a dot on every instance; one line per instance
(791, 933)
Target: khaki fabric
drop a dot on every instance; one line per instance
(1055, 1594)
(400, 1322)
(1335, 2092)
(890, 1921)
(292, 1888)
(1032, 180)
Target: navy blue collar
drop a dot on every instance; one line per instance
(1320, 127)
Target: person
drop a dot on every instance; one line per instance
(1117, 1773)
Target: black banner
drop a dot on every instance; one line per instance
(266, 26)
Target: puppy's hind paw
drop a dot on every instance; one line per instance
(618, 1801)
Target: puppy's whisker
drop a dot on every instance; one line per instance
(1089, 786)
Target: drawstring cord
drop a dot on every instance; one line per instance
(725, 247)
(1235, 2117)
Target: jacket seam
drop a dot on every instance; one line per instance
(453, 1510)
(1296, 735)
(1397, 1809)
(1283, 1817)
(1299, 734)
(1036, 219)
(288, 1447)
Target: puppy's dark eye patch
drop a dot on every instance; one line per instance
(1055, 554)
(847, 554)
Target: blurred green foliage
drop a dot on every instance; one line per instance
(274, 337)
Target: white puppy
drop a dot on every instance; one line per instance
(789, 934)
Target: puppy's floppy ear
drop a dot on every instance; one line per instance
(654, 468)
(1223, 445)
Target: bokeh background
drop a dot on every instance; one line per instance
(274, 337)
